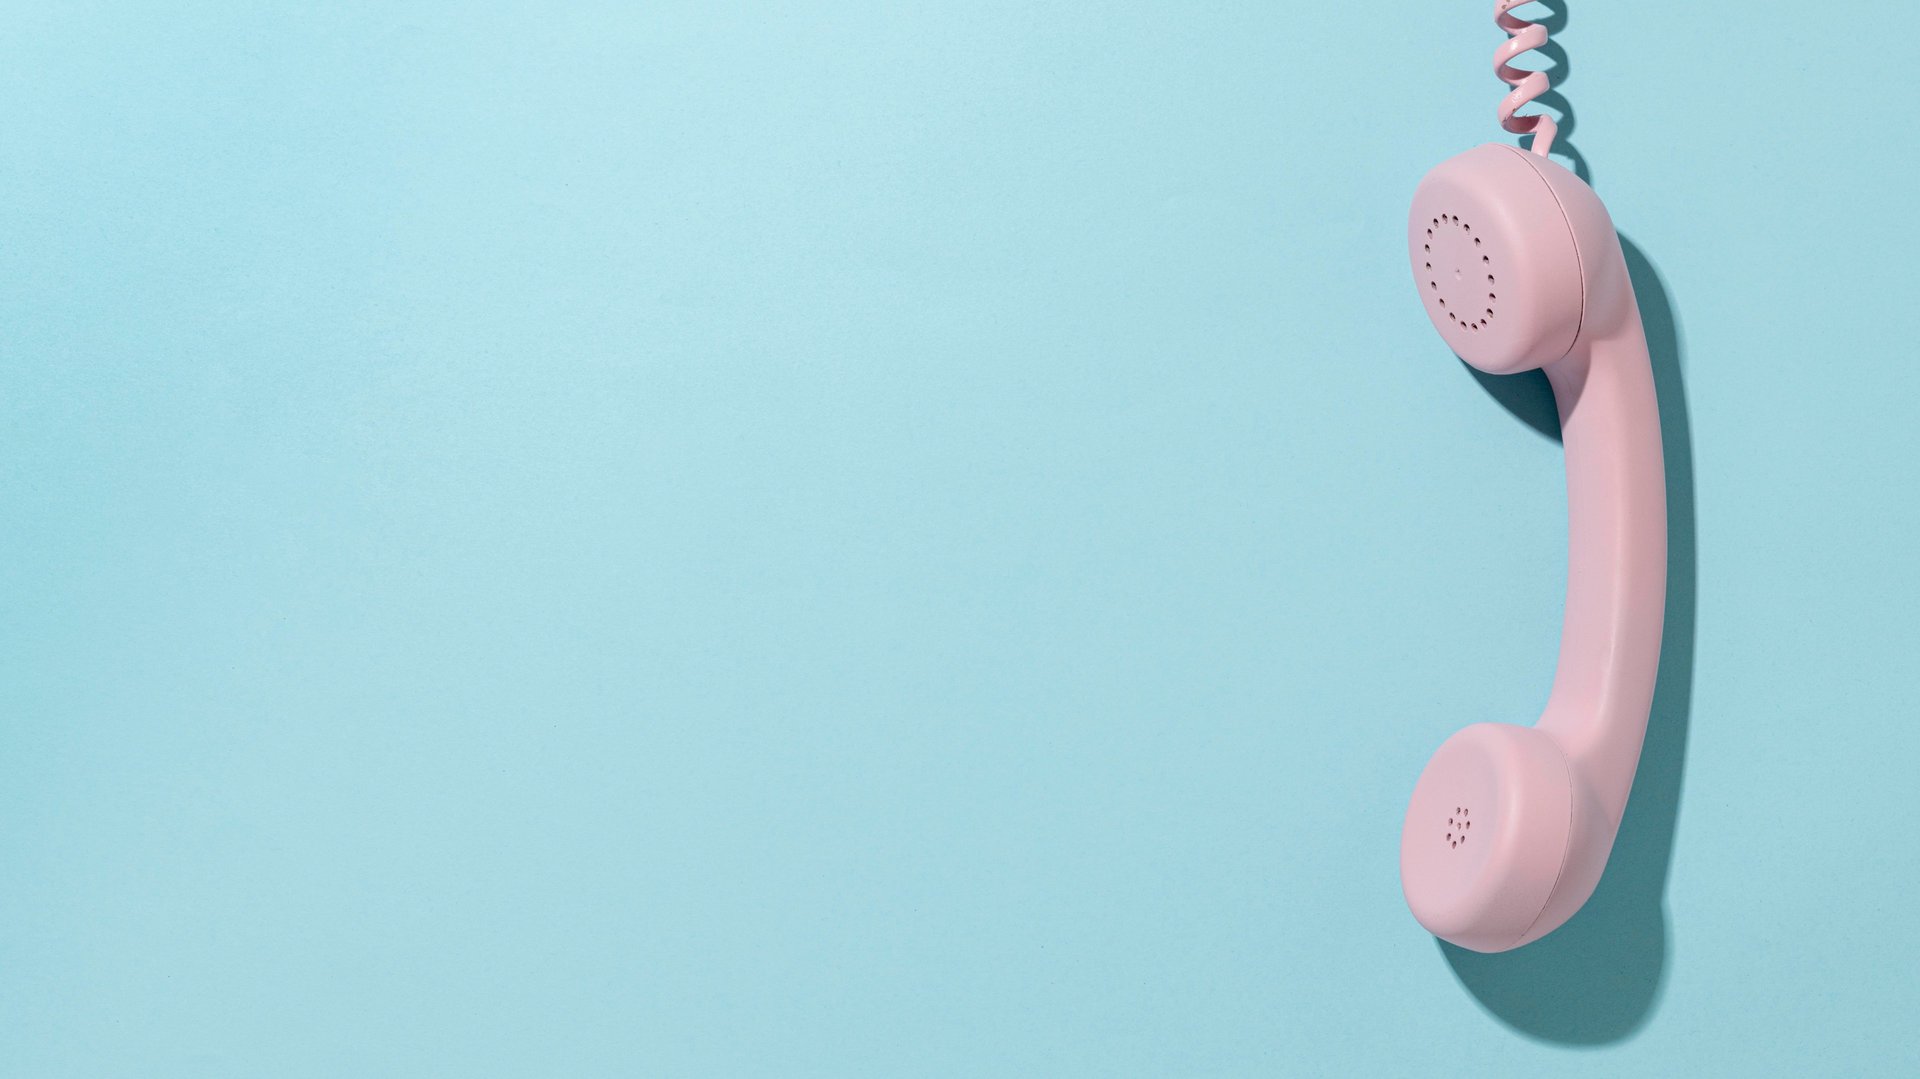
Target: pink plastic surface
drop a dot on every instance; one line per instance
(1509, 827)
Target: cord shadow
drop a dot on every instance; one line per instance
(1597, 979)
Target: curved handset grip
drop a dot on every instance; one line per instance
(1616, 556)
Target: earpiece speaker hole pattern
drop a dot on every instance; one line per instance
(1457, 826)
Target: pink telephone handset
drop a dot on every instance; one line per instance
(1516, 260)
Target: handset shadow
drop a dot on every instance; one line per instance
(1598, 978)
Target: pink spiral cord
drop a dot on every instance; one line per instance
(1527, 85)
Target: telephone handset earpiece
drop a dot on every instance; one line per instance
(1518, 266)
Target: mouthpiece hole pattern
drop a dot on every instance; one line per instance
(1457, 826)
(1437, 227)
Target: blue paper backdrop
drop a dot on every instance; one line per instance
(912, 539)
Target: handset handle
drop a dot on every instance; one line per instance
(1616, 555)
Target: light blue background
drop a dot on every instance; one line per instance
(903, 539)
